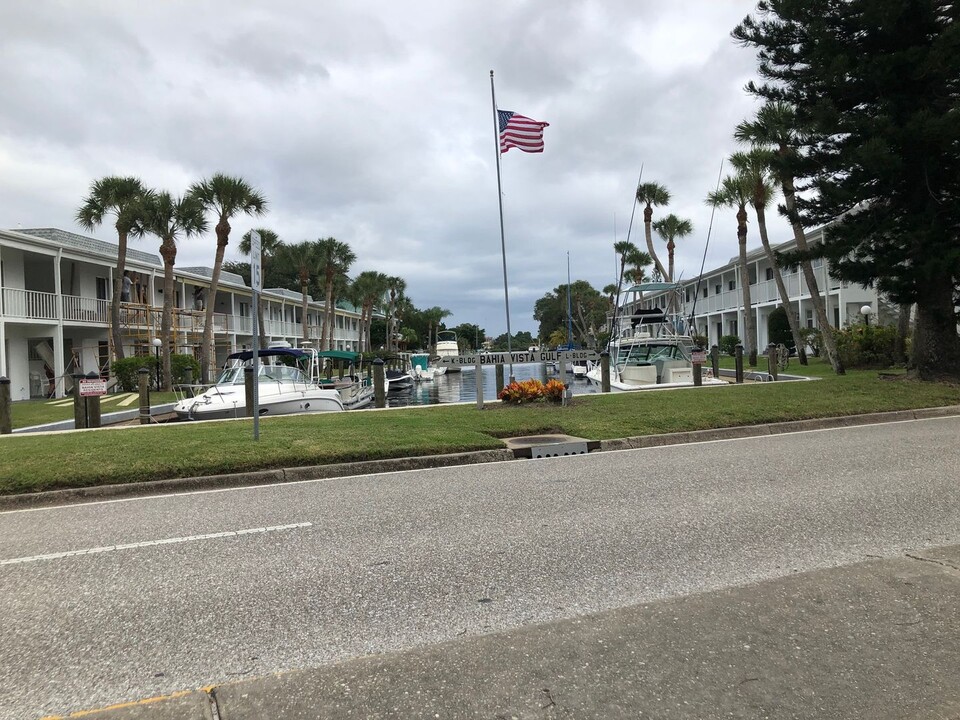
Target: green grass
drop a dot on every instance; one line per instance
(28, 413)
(31, 463)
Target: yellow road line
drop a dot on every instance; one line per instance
(120, 706)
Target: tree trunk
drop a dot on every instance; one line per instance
(749, 320)
(781, 287)
(329, 315)
(903, 329)
(304, 330)
(115, 333)
(648, 234)
(208, 353)
(168, 251)
(936, 346)
(826, 329)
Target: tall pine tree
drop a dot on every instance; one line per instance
(875, 86)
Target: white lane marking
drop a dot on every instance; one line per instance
(152, 543)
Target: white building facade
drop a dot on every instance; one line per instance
(715, 301)
(55, 291)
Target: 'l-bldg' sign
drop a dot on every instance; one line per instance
(539, 356)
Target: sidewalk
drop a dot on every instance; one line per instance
(878, 640)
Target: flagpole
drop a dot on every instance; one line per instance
(503, 242)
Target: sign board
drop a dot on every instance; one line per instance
(537, 356)
(698, 358)
(256, 272)
(89, 388)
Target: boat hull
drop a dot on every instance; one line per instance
(233, 405)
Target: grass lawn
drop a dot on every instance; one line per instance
(27, 413)
(31, 463)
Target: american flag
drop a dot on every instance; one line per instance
(520, 132)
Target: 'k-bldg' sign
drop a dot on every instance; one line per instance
(539, 356)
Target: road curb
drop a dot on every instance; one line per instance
(367, 467)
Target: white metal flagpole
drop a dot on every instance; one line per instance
(503, 242)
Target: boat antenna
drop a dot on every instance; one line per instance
(696, 294)
(633, 210)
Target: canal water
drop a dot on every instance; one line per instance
(462, 386)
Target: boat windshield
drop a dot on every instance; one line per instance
(233, 375)
(649, 352)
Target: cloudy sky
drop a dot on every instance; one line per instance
(371, 121)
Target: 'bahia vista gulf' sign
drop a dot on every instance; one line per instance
(538, 356)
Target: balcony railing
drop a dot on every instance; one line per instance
(29, 304)
(83, 309)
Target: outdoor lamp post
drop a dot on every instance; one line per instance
(157, 342)
(866, 311)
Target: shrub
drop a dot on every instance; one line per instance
(867, 346)
(522, 391)
(728, 344)
(554, 390)
(126, 370)
(179, 365)
(701, 341)
(778, 327)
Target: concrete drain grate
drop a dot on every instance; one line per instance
(546, 446)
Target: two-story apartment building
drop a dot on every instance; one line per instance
(55, 291)
(714, 301)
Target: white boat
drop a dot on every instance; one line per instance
(423, 370)
(648, 351)
(284, 385)
(355, 388)
(448, 346)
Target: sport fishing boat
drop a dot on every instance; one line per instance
(286, 384)
(447, 346)
(649, 349)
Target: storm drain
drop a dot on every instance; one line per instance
(559, 449)
(547, 446)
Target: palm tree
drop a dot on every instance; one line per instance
(303, 258)
(172, 219)
(334, 259)
(774, 127)
(226, 197)
(755, 167)
(651, 194)
(670, 228)
(367, 291)
(269, 245)
(735, 192)
(434, 316)
(125, 198)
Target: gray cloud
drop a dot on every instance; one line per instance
(372, 123)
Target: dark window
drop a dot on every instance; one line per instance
(769, 273)
(732, 285)
(718, 289)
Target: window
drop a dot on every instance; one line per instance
(704, 290)
(732, 285)
(101, 288)
(244, 309)
(769, 273)
(732, 327)
(718, 289)
(809, 318)
(686, 295)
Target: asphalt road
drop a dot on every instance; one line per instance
(97, 610)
